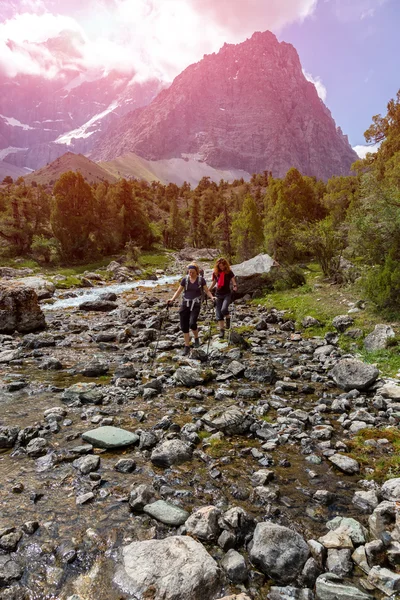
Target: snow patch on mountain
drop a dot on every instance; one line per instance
(10, 150)
(82, 131)
(15, 123)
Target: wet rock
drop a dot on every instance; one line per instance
(171, 452)
(19, 309)
(278, 551)
(110, 437)
(331, 587)
(87, 464)
(50, 364)
(98, 306)
(378, 339)
(230, 420)
(9, 542)
(10, 570)
(37, 447)
(166, 513)
(234, 566)
(125, 465)
(8, 436)
(391, 490)
(342, 322)
(351, 374)
(140, 496)
(86, 393)
(94, 368)
(176, 568)
(203, 524)
(345, 463)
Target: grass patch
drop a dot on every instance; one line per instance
(19, 263)
(69, 282)
(203, 435)
(155, 260)
(383, 459)
(387, 361)
(244, 330)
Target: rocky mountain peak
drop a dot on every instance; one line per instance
(248, 107)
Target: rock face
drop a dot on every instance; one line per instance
(248, 107)
(177, 568)
(19, 309)
(278, 551)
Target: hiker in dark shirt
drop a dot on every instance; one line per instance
(192, 287)
(224, 279)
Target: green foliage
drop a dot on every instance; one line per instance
(382, 286)
(247, 232)
(133, 253)
(326, 241)
(45, 249)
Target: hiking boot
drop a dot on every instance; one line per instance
(228, 322)
(222, 334)
(186, 351)
(196, 342)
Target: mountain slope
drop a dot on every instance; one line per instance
(173, 170)
(248, 107)
(92, 172)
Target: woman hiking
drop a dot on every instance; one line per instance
(223, 277)
(192, 287)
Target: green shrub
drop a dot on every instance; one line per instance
(382, 286)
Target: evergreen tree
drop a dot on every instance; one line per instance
(247, 231)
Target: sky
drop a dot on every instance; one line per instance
(348, 48)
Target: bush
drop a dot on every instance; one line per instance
(382, 286)
(133, 254)
(287, 278)
(45, 249)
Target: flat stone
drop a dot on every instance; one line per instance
(10, 570)
(351, 374)
(391, 490)
(166, 513)
(110, 437)
(391, 391)
(331, 587)
(385, 580)
(171, 452)
(345, 463)
(175, 568)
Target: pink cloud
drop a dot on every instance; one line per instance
(151, 38)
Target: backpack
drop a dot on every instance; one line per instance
(201, 274)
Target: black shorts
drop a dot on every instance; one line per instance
(188, 316)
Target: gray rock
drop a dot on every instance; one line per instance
(125, 465)
(50, 364)
(339, 561)
(345, 463)
(331, 587)
(357, 533)
(140, 496)
(189, 377)
(84, 498)
(177, 568)
(19, 309)
(278, 552)
(86, 393)
(391, 490)
(391, 391)
(94, 368)
(171, 452)
(289, 593)
(98, 306)
(110, 437)
(8, 436)
(378, 339)
(385, 580)
(234, 566)
(166, 513)
(231, 420)
(10, 570)
(342, 322)
(310, 322)
(87, 464)
(203, 524)
(382, 517)
(261, 374)
(350, 374)
(37, 447)
(365, 501)
(236, 368)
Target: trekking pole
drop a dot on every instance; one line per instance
(211, 314)
(232, 311)
(162, 319)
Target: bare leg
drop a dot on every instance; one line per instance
(221, 324)
(186, 337)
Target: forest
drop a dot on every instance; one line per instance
(295, 219)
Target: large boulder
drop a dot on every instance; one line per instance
(279, 552)
(19, 309)
(378, 339)
(171, 452)
(231, 420)
(177, 568)
(351, 374)
(251, 273)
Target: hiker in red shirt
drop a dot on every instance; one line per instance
(224, 278)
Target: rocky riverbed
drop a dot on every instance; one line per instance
(131, 472)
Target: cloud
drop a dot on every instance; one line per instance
(355, 10)
(363, 150)
(319, 86)
(151, 38)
